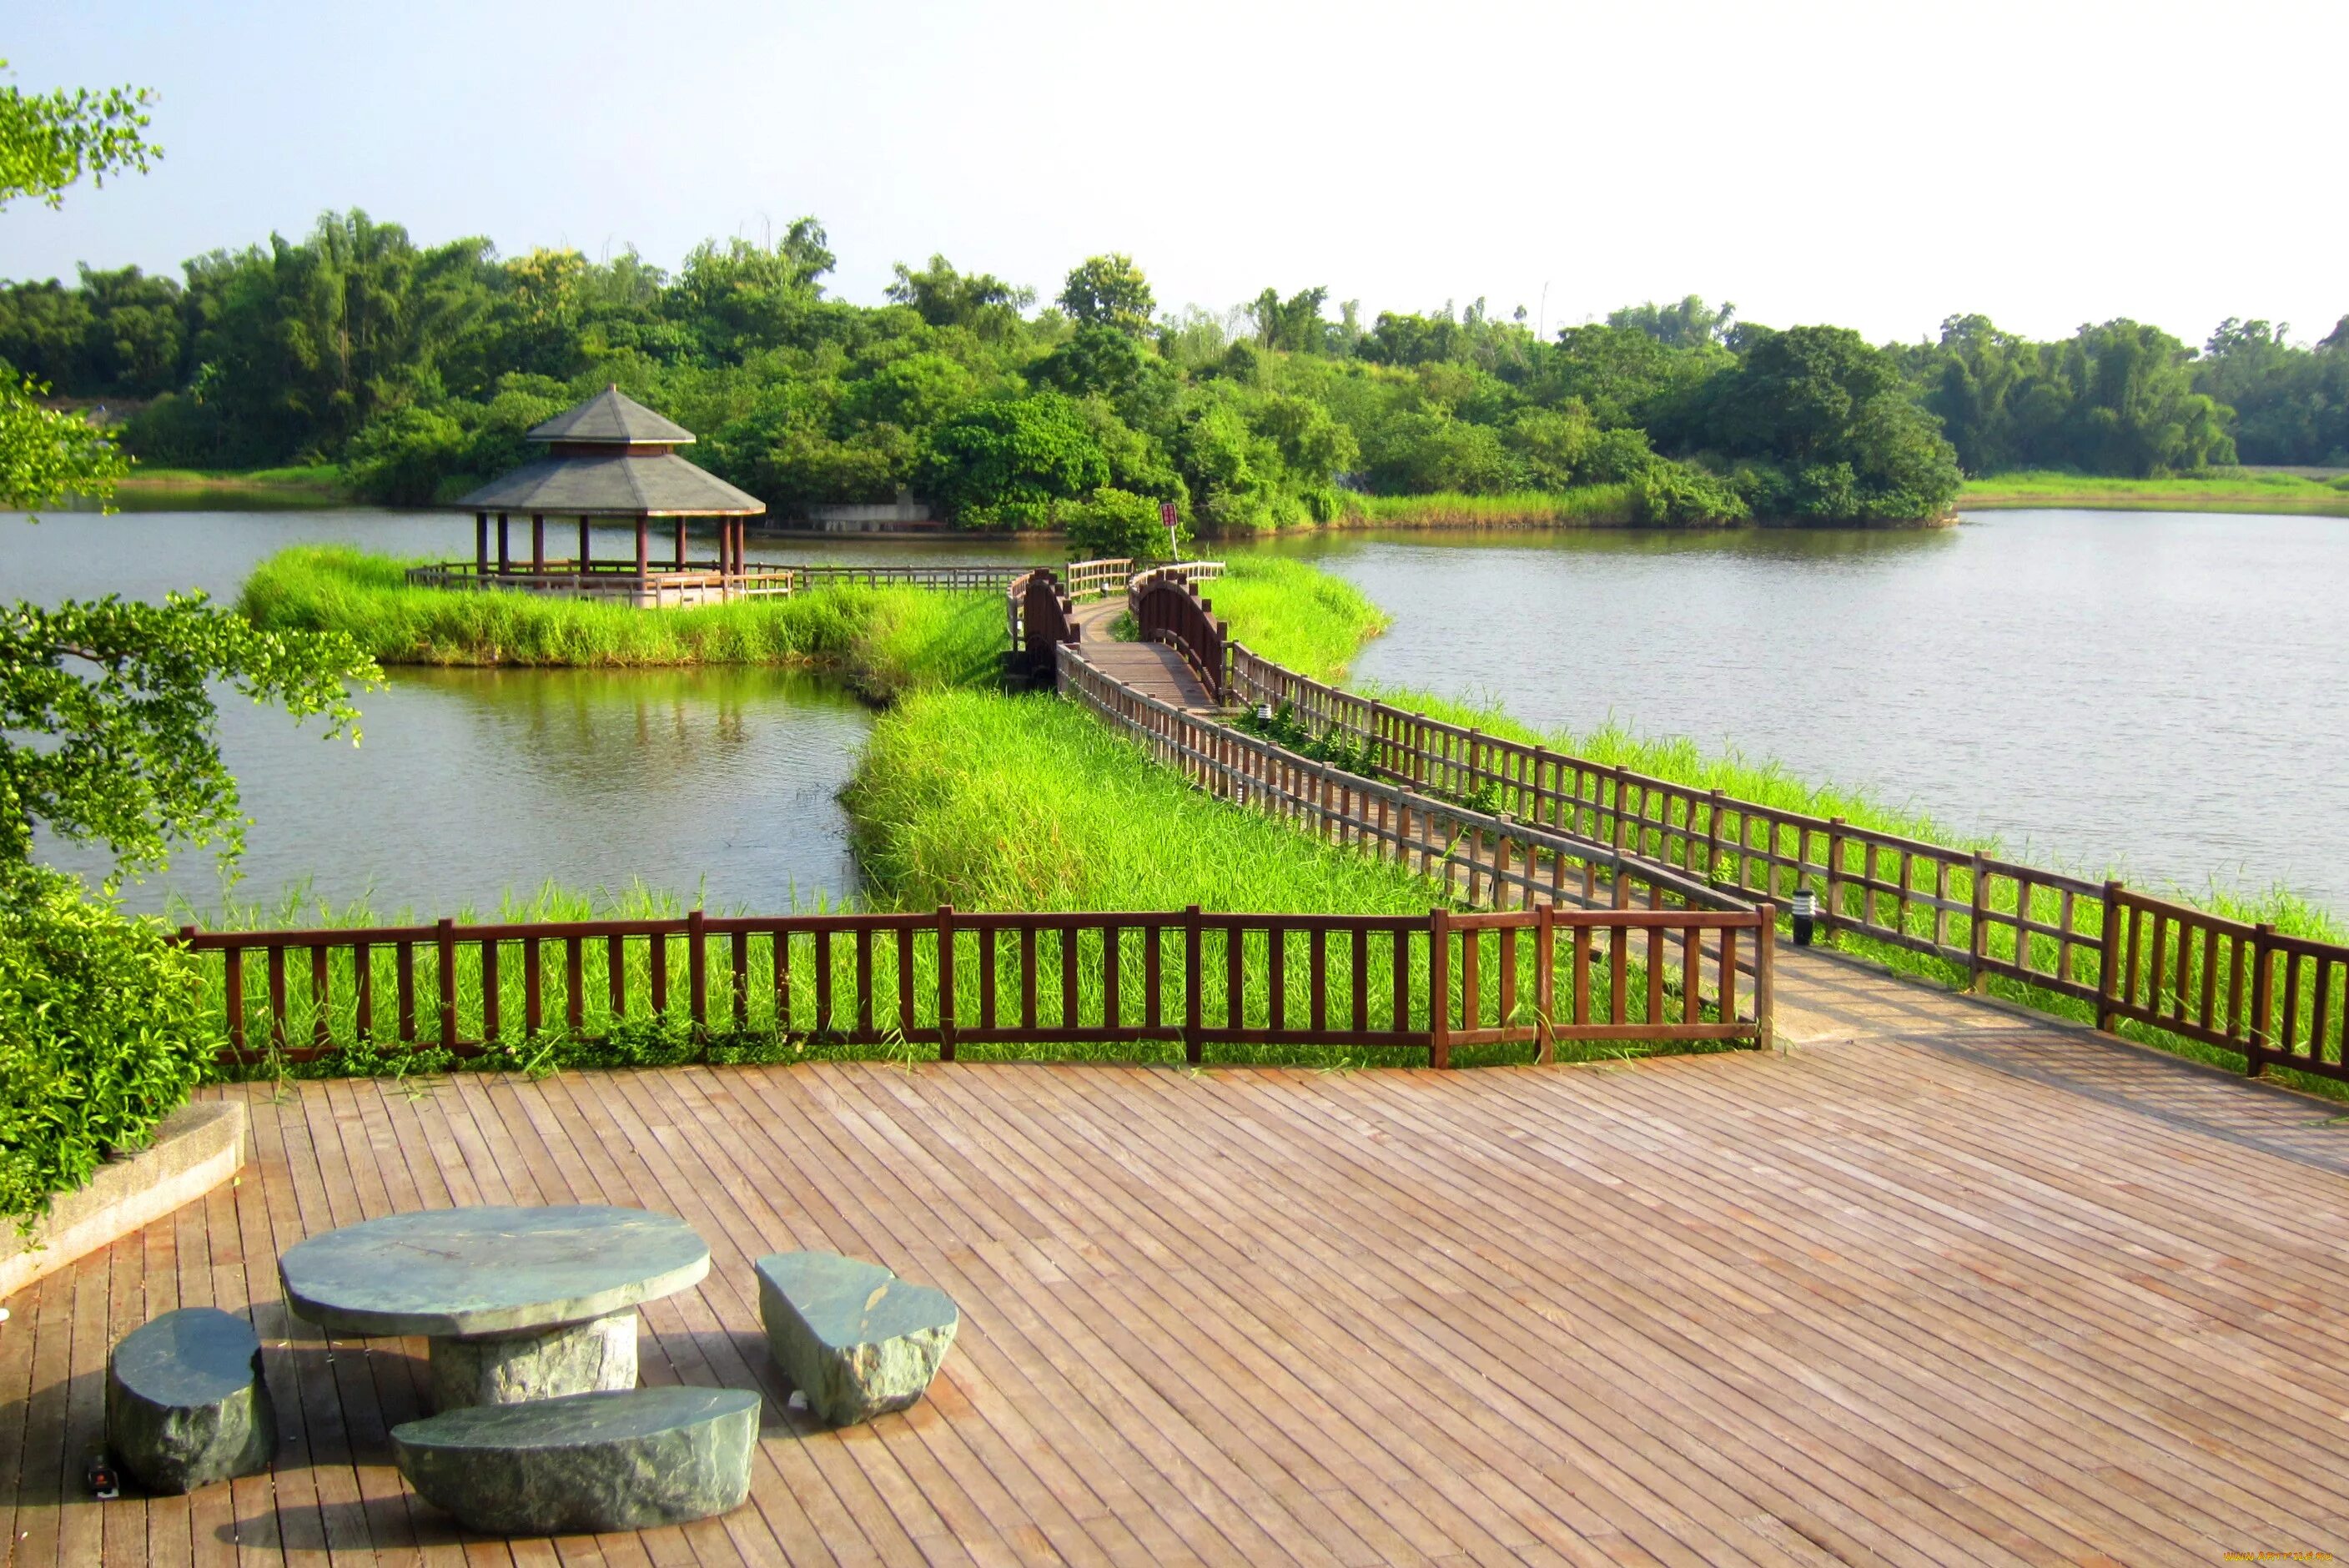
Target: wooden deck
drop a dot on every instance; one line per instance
(1941, 1284)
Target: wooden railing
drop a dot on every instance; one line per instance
(612, 578)
(716, 986)
(1991, 917)
(964, 579)
(1480, 858)
(1040, 618)
(1092, 579)
(1166, 608)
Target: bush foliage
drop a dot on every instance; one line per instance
(102, 1033)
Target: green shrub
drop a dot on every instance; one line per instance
(1672, 494)
(1114, 522)
(102, 1034)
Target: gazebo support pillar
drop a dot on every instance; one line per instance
(481, 541)
(582, 546)
(644, 560)
(680, 545)
(538, 542)
(505, 557)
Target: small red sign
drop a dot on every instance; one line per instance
(1166, 512)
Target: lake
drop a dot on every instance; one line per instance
(2145, 691)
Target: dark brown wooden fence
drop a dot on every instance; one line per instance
(952, 979)
(1166, 607)
(1991, 917)
(1041, 618)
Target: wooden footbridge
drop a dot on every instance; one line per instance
(1940, 1282)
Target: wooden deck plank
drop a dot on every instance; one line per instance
(1990, 1295)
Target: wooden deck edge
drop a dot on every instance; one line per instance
(197, 1148)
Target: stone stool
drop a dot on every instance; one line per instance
(185, 1402)
(852, 1336)
(629, 1459)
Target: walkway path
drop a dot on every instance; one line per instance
(1954, 1296)
(1151, 668)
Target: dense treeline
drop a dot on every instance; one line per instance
(417, 369)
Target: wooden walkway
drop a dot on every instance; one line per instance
(1940, 1285)
(1149, 667)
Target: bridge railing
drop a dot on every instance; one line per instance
(729, 987)
(1166, 608)
(2128, 956)
(1484, 858)
(606, 578)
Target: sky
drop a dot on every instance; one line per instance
(1879, 165)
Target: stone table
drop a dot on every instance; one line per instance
(517, 1303)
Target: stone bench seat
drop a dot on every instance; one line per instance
(855, 1339)
(185, 1402)
(625, 1459)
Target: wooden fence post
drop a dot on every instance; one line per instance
(445, 940)
(1835, 872)
(1194, 1001)
(1439, 987)
(1977, 930)
(2262, 1041)
(946, 983)
(697, 972)
(2108, 963)
(1765, 998)
(1545, 981)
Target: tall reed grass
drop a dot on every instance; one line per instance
(1583, 506)
(883, 640)
(1295, 613)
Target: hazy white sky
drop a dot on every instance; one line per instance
(1880, 165)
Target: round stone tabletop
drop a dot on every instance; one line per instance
(448, 1272)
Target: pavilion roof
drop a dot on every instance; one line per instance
(622, 484)
(612, 417)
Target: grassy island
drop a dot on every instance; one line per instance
(883, 641)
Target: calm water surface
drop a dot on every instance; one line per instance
(2159, 693)
(2150, 692)
(474, 782)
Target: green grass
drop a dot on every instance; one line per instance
(2222, 489)
(1295, 613)
(1584, 506)
(993, 803)
(325, 478)
(884, 641)
(1767, 783)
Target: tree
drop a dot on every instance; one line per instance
(1295, 324)
(945, 298)
(1007, 462)
(1108, 291)
(1688, 325)
(106, 721)
(48, 141)
(1826, 419)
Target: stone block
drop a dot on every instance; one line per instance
(625, 1459)
(853, 1337)
(185, 1402)
(588, 1357)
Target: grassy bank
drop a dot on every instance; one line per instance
(1586, 506)
(884, 641)
(1296, 614)
(986, 802)
(313, 481)
(1767, 783)
(2225, 490)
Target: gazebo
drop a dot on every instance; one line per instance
(611, 456)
